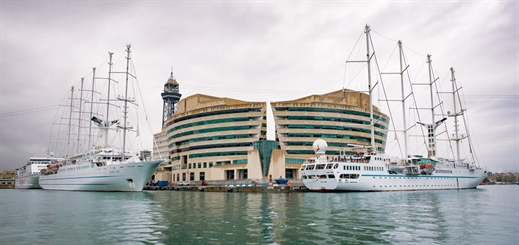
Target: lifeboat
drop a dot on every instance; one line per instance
(426, 166)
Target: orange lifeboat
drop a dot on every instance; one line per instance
(426, 166)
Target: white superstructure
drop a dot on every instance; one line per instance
(28, 175)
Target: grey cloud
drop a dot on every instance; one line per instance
(263, 51)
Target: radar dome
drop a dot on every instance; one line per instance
(320, 146)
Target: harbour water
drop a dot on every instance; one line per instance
(487, 215)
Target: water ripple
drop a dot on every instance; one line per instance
(486, 215)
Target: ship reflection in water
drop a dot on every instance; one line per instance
(176, 217)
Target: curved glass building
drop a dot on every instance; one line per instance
(342, 118)
(212, 138)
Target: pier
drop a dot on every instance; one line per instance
(232, 186)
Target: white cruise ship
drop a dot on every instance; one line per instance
(103, 168)
(370, 170)
(27, 176)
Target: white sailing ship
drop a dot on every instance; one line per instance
(104, 168)
(370, 170)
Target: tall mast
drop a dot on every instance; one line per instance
(70, 119)
(456, 114)
(403, 98)
(431, 128)
(107, 122)
(91, 106)
(80, 113)
(368, 60)
(125, 108)
(459, 112)
(429, 61)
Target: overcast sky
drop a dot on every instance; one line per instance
(254, 51)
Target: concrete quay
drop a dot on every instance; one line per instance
(234, 187)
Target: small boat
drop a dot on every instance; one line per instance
(281, 181)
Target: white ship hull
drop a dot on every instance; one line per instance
(381, 180)
(27, 177)
(30, 181)
(131, 176)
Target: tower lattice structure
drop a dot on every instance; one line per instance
(170, 96)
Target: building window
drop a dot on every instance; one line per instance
(294, 160)
(192, 176)
(242, 174)
(229, 174)
(205, 164)
(240, 161)
(202, 176)
(289, 173)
